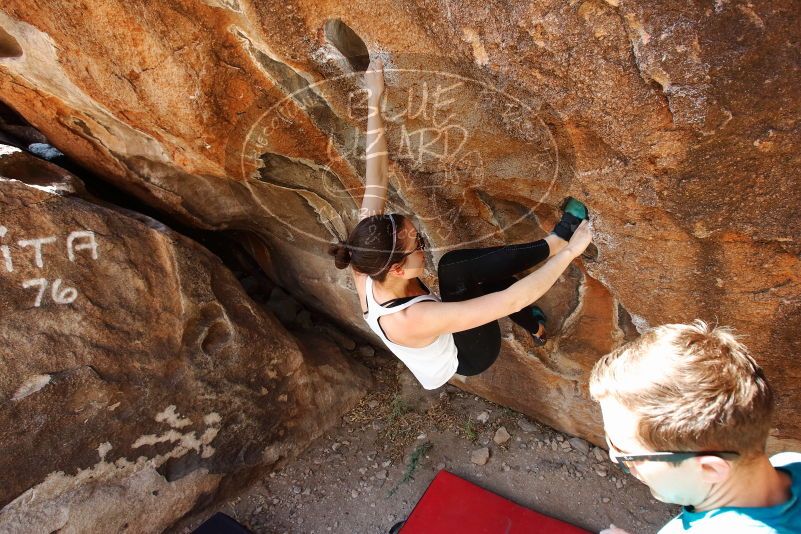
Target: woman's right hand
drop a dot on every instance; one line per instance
(581, 239)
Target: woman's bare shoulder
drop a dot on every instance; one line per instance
(360, 281)
(421, 309)
(406, 328)
(359, 278)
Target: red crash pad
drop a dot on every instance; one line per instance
(452, 504)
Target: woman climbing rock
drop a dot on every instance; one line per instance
(458, 334)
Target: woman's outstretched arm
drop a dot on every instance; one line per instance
(375, 190)
(437, 318)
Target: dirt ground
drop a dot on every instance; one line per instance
(368, 473)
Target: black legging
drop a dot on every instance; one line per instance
(469, 273)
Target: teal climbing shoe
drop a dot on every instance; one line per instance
(574, 212)
(576, 208)
(539, 315)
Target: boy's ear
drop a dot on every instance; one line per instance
(713, 469)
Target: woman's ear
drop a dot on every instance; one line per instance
(714, 470)
(397, 269)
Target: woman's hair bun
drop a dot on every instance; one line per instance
(341, 254)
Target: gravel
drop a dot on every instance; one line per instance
(526, 425)
(349, 481)
(580, 445)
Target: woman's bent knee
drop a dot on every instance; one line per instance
(448, 258)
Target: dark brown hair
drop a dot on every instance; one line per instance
(374, 246)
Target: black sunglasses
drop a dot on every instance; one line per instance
(421, 245)
(621, 458)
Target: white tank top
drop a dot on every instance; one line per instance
(432, 365)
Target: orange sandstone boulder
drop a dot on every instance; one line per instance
(138, 381)
(678, 124)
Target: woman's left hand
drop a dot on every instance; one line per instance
(374, 78)
(613, 530)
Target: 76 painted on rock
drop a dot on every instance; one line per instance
(78, 241)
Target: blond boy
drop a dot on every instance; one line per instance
(687, 411)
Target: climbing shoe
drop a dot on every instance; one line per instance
(576, 208)
(539, 315)
(574, 212)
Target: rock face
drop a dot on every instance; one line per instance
(138, 381)
(677, 123)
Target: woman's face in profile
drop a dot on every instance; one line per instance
(415, 262)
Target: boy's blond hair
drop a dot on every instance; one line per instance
(694, 387)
